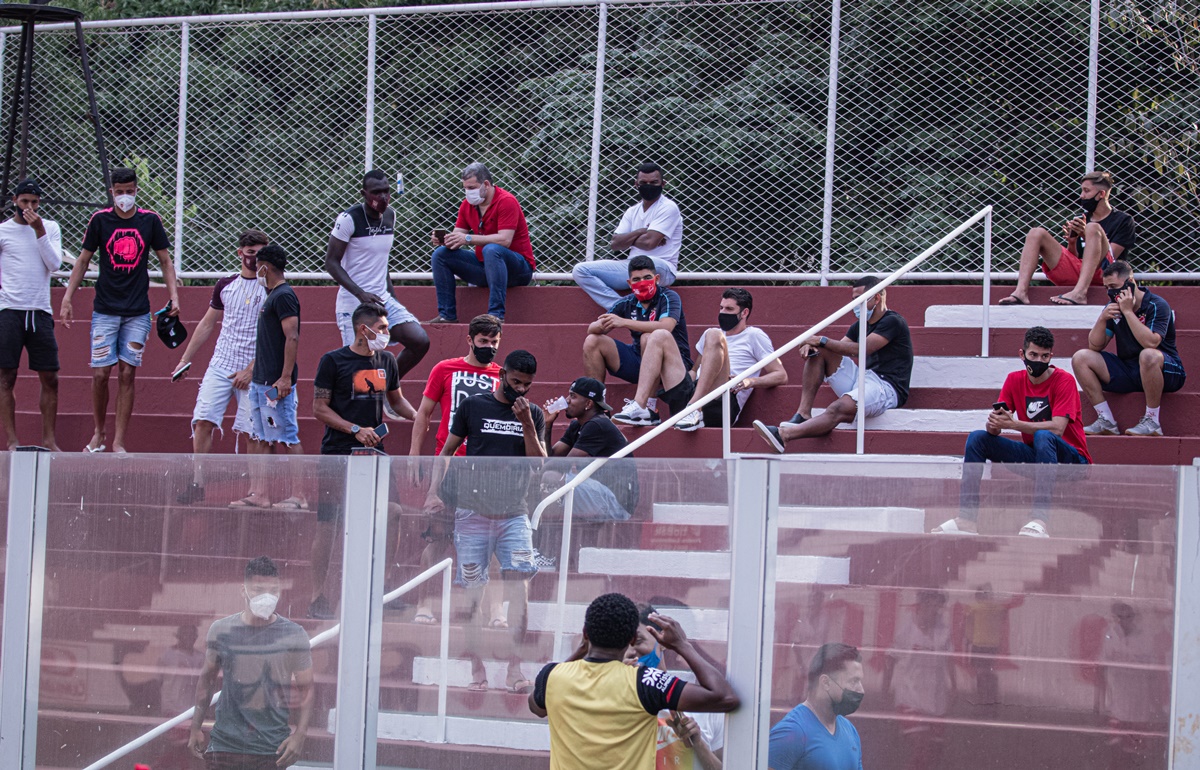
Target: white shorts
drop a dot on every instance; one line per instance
(396, 314)
(215, 391)
(880, 394)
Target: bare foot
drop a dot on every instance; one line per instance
(119, 450)
(1070, 298)
(50, 443)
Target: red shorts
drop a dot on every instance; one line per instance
(1066, 272)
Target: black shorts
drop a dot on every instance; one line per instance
(712, 412)
(32, 330)
(1125, 374)
(679, 396)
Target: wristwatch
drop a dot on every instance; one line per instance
(354, 429)
(469, 239)
(821, 342)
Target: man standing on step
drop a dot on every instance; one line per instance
(1146, 359)
(267, 666)
(816, 735)
(30, 251)
(652, 227)
(658, 359)
(236, 300)
(1041, 402)
(1094, 239)
(889, 368)
(357, 258)
(124, 236)
(728, 350)
(603, 713)
(488, 497)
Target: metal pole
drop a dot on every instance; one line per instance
(26, 104)
(93, 111)
(726, 428)
(987, 284)
(835, 34)
(1093, 85)
(597, 114)
(444, 653)
(181, 143)
(861, 438)
(1185, 670)
(12, 118)
(564, 555)
(372, 32)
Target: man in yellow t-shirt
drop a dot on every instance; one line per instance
(604, 714)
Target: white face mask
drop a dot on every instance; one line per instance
(475, 197)
(125, 202)
(263, 606)
(262, 279)
(378, 342)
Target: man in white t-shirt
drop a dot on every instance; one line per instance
(652, 227)
(357, 258)
(725, 351)
(30, 250)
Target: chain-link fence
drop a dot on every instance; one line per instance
(939, 110)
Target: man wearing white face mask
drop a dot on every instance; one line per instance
(348, 397)
(889, 368)
(489, 246)
(267, 665)
(123, 236)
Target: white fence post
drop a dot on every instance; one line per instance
(835, 34)
(987, 284)
(860, 437)
(181, 146)
(1185, 669)
(1093, 85)
(372, 33)
(597, 114)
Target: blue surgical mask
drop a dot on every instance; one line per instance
(857, 310)
(650, 659)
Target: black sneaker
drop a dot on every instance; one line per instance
(441, 319)
(192, 493)
(798, 418)
(769, 434)
(320, 609)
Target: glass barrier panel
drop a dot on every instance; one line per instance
(654, 530)
(5, 469)
(994, 650)
(148, 579)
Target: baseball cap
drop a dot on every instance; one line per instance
(589, 387)
(28, 187)
(170, 329)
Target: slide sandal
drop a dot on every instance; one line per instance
(950, 527)
(1063, 300)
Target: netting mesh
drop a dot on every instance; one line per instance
(942, 109)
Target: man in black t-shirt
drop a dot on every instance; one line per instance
(1094, 239)
(491, 514)
(659, 354)
(610, 494)
(1146, 359)
(124, 236)
(889, 368)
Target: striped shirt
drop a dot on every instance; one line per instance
(239, 300)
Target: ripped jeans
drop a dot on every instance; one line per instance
(476, 538)
(119, 337)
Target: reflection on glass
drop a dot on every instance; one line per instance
(919, 673)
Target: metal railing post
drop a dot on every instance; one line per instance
(1093, 84)
(835, 35)
(985, 346)
(181, 143)
(1185, 670)
(726, 428)
(597, 116)
(860, 439)
(444, 654)
(564, 555)
(372, 33)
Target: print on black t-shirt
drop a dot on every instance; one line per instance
(492, 430)
(1037, 409)
(121, 247)
(357, 388)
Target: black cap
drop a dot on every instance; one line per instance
(28, 187)
(273, 254)
(589, 387)
(170, 329)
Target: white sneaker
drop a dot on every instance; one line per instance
(633, 414)
(1147, 426)
(1102, 427)
(691, 422)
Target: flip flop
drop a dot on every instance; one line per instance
(247, 502)
(498, 623)
(950, 527)
(1011, 300)
(94, 450)
(480, 686)
(291, 504)
(521, 687)
(1033, 529)
(1065, 301)
(425, 619)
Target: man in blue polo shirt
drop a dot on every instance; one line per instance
(816, 734)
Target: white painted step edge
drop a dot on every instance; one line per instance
(1013, 316)
(699, 565)
(845, 519)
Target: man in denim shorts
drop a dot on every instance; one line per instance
(123, 236)
(488, 496)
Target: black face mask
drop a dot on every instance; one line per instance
(509, 391)
(1036, 368)
(849, 703)
(728, 320)
(650, 192)
(483, 355)
(1089, 205)
(1114, 293)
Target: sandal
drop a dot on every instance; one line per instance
(1011, 300)
(521, 687)
(94, 449)
(499, 623)
(424, 619)
(292, 504)
(1064, 300)
(248, 502)
(1033, 529)
(950, 527)
(480, 686)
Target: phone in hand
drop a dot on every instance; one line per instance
(812, 353)
(381, 430)
(441, 236)
(175, 377)
(273, 393)
(20, 213)
(999, 406)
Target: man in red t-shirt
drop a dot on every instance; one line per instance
(450, 383)
(488, 247)
(1042, 403)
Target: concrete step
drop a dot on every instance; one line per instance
(860, 519)
(707, 566)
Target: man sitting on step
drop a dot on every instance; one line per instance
(1042, 403)
(1146, 359)
(889, 368)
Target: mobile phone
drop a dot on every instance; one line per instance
(812, 353)
(273, 393)
(999, 406)
(181, 371)
(382, 430)
(166, 309)
(20, 213)
(441, 236)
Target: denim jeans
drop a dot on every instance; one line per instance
(602, 277)
(500, 269)
(1047, 449)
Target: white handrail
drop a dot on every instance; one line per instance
(586, 472)
(443, 566)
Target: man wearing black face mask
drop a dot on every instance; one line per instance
(816, 734)
(731, 348)
(1041, 402)
(652, 227)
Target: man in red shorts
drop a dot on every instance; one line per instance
(1094, 240)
